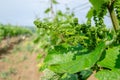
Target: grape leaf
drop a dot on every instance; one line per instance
(73, 61)
(98, 4)
(69, 77)
(112, 58)
(108, 75)
(54, 2)
(47, 10)
(90, 13)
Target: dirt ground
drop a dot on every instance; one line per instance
(18, 62)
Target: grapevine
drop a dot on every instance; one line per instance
(75, 49)
(11, 31)
(117, 9)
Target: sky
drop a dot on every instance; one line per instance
(24, 12)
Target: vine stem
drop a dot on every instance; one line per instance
(113, 16)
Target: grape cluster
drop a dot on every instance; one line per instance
(98, 16)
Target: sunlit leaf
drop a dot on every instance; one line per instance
(74, 60)
(108, 75)
(112, 58)
(98, 4)
(90, 13)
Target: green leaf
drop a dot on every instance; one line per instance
(54, 2)
(98, 4)
(37, 40)
(59, 13)
(49, 75)
(112, 58)
(69, 77)
(73, 60)
(47, 10)
(108, 75)
(90, 13)
(61, 54)
(85, 74)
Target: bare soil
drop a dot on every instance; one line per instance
(17, 65)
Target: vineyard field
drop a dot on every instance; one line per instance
(59, 47)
